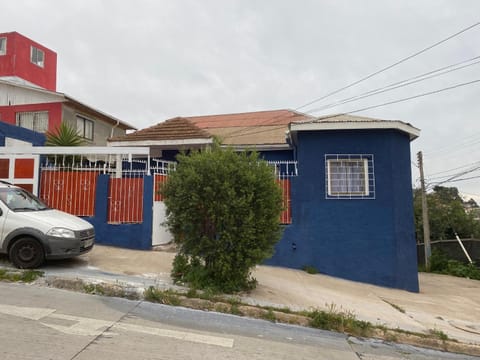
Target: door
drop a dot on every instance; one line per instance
(160, 233)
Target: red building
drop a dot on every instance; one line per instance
(29, 98)
(26, 61)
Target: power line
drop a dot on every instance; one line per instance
(453, 177)
(446, 171)
(255, 131)
(373, 74)
(389, 67)
(464, 179)
(370, 76)
(414, 97)
(400, 84)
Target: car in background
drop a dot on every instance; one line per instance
(31, 232)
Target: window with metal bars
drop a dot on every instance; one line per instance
(349, 176)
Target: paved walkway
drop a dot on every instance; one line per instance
(445, 303)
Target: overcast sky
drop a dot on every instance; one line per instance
(146, 61)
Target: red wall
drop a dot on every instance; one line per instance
(16, 62)
(7, 113)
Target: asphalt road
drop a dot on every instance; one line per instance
(45, 323)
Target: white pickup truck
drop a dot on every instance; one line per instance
(31, 233)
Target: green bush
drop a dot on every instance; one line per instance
(223, 209)
(439, 263)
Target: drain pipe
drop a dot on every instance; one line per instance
(114, 127)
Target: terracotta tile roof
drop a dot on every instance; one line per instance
(173, 129)
(258, 118)
(250, 135)
(250, 128)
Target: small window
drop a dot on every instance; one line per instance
(349, 176)
(37, 56)
(36, 121)
(3, 46)
(84, 127)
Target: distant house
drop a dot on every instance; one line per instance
(29, 99)
(351, 196)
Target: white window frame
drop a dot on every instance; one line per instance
(36, 118)
(3, 45)
(366, 161)
(81, 129)
(37, 56)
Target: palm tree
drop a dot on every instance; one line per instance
(64, 135)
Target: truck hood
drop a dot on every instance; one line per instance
(57, 218)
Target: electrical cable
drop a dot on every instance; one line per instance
(446, 171)
(413, 97)
(243, 132)
(375, 73)
(399, 84)
(390, 66)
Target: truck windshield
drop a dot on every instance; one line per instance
(20, 200)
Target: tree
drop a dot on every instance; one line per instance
(446, 213)
(64, 135)
(223, 210)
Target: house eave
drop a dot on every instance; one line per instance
(356, 125)
(76, 150)
(178, 142)
(259, 147)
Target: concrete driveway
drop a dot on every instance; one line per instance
(445, 303)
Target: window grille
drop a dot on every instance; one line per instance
(349, 176)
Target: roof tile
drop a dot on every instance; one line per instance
(173, 129)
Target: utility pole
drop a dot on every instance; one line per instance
(426, 224)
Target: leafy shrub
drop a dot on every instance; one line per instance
(439, 263)
(223, 209)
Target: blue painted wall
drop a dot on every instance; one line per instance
(367, 240)
(133, 236)
(19, 133)
(278, 155)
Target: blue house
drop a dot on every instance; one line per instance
(351, 196)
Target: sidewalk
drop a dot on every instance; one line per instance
(445, 303)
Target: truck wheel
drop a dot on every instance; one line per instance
(26, 253)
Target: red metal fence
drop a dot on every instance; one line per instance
(286, 215)
(158, 181)
(69, 191)
(73, 190)
(125, 200)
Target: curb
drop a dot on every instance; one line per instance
(236, 308)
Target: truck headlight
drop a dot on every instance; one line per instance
(61, 232)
